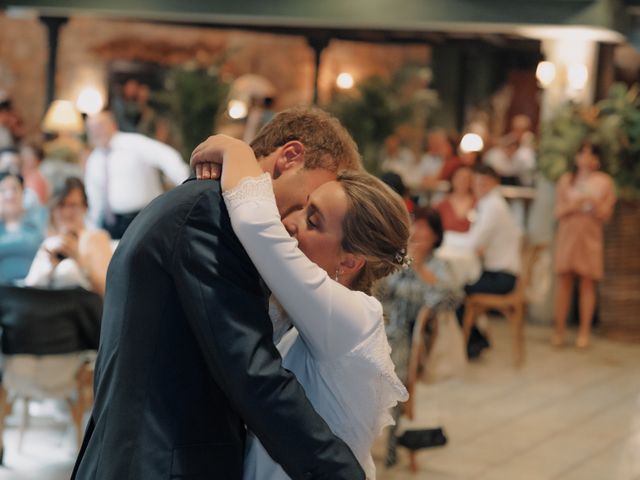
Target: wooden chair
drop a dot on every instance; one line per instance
(83, 399)
(419, 350)
(511, 305)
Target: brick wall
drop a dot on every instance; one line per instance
(287, 61)
(23, 60)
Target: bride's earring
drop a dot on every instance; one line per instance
(337, 277)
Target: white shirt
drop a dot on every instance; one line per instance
(133, 177)
(404, 164)
(521, 164)
(338, 350)
(429, 166)
(495, 231)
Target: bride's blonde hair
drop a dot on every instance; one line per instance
(375, 226)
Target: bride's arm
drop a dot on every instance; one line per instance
(331, 319)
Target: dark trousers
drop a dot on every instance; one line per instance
(499, 283)
(120, 224)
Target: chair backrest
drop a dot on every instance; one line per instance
(40, 321)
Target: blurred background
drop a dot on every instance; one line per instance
(425, 87)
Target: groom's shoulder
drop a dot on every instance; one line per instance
(190, 193)
(193, 188)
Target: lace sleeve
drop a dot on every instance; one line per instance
(373, 359)
(250, 189)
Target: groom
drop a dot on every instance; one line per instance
(186, 356)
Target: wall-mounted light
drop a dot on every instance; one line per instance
(545, 73)
(344, 81)
(89, 101)
(577, 76)
(471, 142)
(237, 109)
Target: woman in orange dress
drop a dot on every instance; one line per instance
(585, 199)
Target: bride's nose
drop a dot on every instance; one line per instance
(291, 222)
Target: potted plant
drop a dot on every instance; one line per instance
(194, 99)
(378, 106)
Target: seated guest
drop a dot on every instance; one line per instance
(445, 147)
(469, 159)
(431, 160)
(20, 229)
(31, 156)
(427, 283)
(513, 162)
(71, 255)
(495, 236)
(398, 159)
(457, 206)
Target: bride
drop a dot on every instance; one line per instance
(320, 264)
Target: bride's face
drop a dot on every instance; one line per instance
(318, 226)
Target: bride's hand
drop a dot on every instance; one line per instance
(208, 158)
(218, 151)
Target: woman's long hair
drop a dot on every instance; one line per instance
(595, 150)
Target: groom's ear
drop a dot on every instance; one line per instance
(292, 155)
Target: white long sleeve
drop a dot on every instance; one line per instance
(330, 318)
(163, 157)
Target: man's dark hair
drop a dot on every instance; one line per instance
(486, 170)
(432, 217)
(395, 182)
(4, 175)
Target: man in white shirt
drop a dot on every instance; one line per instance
(496, 237)
(514, 163)
(122, 173)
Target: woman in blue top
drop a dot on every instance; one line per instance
(21, 231)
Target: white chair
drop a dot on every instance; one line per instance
(49, 344)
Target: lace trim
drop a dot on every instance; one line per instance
(388, 390)
(249, 188)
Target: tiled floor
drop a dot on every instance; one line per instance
(565, 415)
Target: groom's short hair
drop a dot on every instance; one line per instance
(327, 144)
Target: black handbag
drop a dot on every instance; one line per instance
(424, 438)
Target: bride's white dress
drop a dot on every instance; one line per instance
(337, 349)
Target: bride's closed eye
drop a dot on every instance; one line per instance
(310, 224)
(314, 217)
